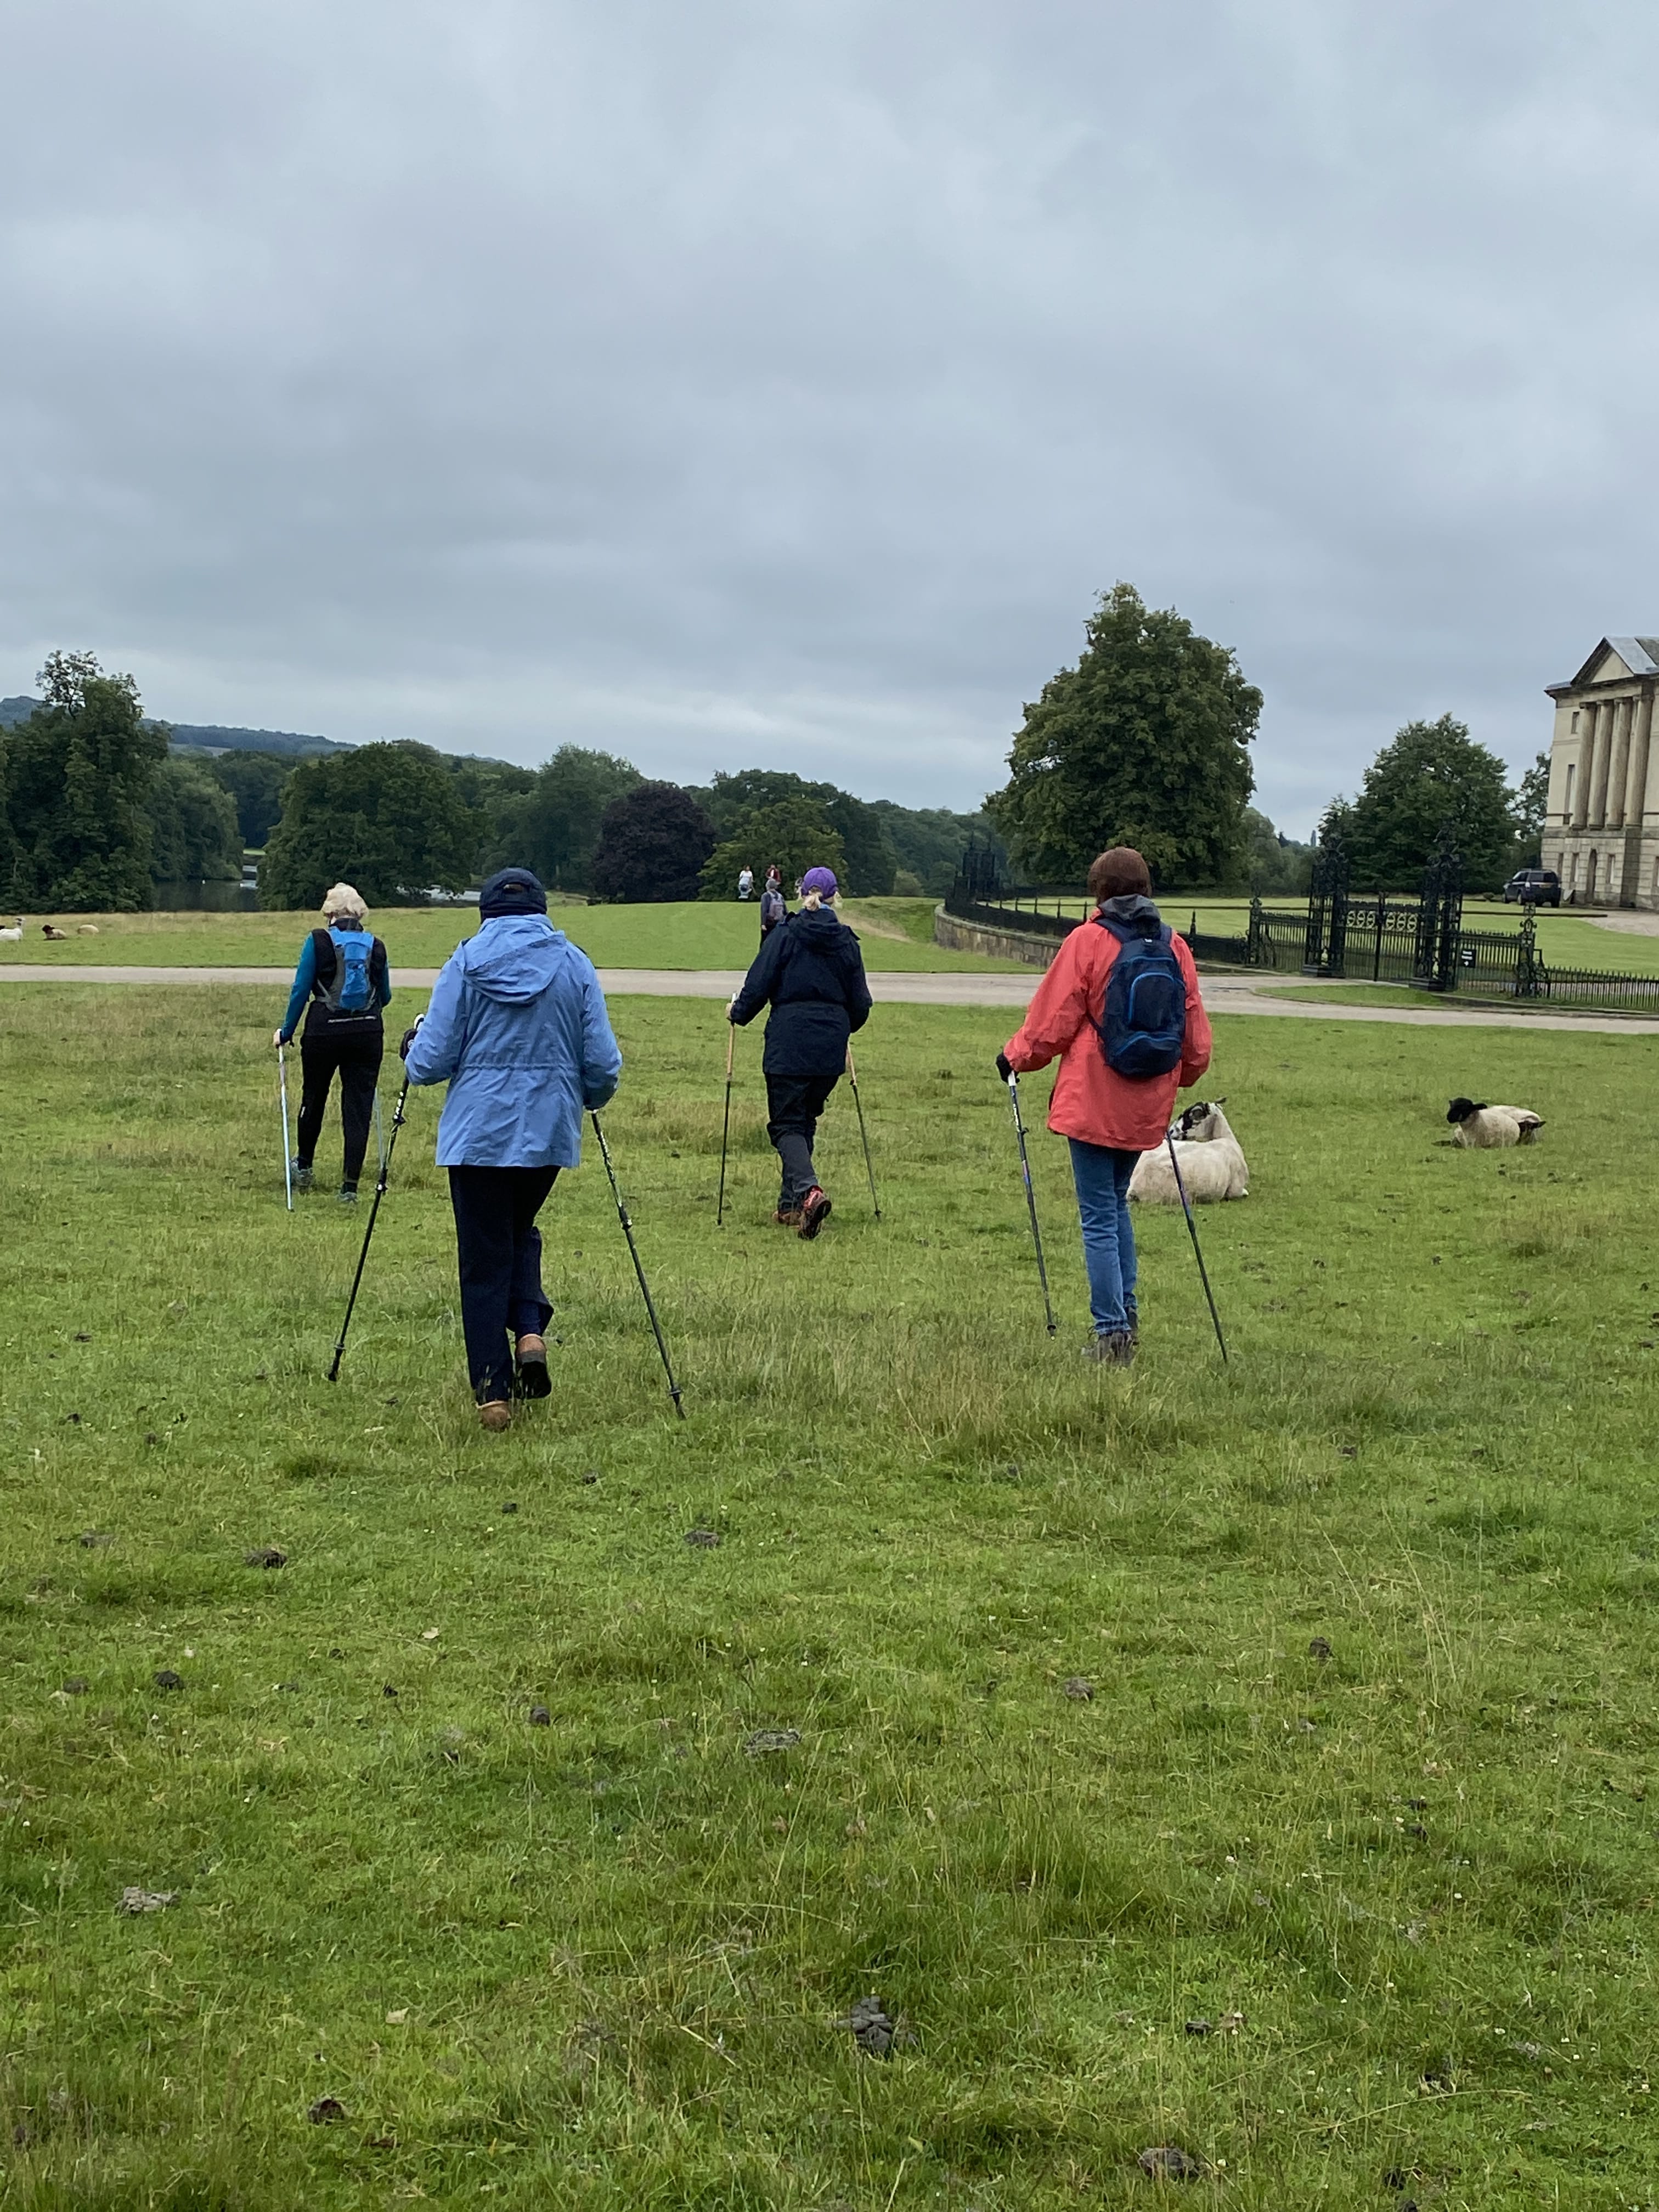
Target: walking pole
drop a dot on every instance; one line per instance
(1192, 1230)
(726, 1127)
(374, 1212)
(1030, 1197)
(645, 1289)
(288, 1156)
(853, 1078)
(380, 1134)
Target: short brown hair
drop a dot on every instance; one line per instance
(1118, 872)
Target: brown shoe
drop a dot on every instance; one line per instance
(1115, 1349)
(494, 1414)
(814, 1213)
(533, 1379)
(787, 1217)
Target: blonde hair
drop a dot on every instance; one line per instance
(812, 900)
(341, 900)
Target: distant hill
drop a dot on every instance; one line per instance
(209, 736)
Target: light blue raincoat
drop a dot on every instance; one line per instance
(518, 1028)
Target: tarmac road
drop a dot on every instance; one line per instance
(1223, 994)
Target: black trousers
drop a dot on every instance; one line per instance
(355, 1051)
(793, 1103)
(499, 1251)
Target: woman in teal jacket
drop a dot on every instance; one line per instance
(518, 1028)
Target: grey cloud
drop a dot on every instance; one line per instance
(780, 382)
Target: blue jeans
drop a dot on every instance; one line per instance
(1102, 1176)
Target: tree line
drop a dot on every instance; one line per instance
(1145, 742)
(96, 811)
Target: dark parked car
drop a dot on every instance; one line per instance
(1534, 887)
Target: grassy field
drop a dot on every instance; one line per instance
(895, 933)
(1071, 1775)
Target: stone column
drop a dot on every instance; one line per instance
(1636, 780)
(1598, 804)
(1636, 791)
(1586, 770)
(1622, 714)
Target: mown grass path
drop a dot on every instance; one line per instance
(1062, 1767)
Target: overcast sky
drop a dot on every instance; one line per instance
(778, 381)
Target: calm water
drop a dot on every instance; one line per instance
(205, 898)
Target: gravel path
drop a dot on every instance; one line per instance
(1223, 994)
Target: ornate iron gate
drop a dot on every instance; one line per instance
(1440, 917)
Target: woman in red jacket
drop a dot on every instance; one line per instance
(1110, 1118)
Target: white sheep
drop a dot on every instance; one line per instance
(14, 936)
(1482, 1127)
(1210, 1159)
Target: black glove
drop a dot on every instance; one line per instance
(1003, 1068)
(408, 1039)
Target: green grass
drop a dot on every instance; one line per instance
(603, 1961)
(895, 933)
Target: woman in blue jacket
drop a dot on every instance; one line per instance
(810, 971)
(518, 1028)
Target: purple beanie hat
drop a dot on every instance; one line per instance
(821, 880)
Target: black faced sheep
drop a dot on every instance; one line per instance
(1210, 1159)
(1481, 1127)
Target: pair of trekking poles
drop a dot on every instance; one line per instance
(398, 1118)
(726, 1127)
(1037, 1233)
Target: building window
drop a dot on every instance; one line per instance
(1575, 721)
(1572, 875)
(1572, 778)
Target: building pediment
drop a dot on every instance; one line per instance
(1615, 660)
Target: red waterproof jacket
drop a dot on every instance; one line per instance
(1089, 1101)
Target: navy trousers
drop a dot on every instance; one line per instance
(499, 1251)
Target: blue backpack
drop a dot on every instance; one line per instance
(349, 989)
(1143, 1025)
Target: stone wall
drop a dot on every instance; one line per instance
(958, 936)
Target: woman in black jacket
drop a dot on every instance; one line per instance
(810, 971)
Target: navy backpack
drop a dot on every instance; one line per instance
(1143, 1025)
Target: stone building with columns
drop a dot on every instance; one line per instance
(1602, 831)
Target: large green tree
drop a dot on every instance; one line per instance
(652, 841)
(553, 825)
(1433, 772)
(1145, 743)
(194, 836)
(796, 832)
(388, 818)
(78, 777)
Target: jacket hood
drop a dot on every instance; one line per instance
(821, 923)
(1130, 908)
(514, 957)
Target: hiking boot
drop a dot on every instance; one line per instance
(348, 1194)
(303, 1178)
(814, 1213)
(494, 1414)
(533, 1379)
(1114, 1349)
(787, 1217)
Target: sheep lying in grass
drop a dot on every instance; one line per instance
(14, 936)
(1210, 1159)
(1484, 1126)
